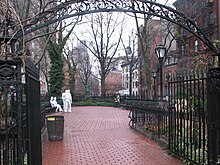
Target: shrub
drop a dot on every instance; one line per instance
(91, 102)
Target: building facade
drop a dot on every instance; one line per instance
(126, 81)
(113, 82)
(193, 54)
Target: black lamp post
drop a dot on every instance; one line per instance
(128, 53)
(161, 52)
(128, 50)
(154, 76)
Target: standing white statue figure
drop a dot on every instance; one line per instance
(53, 102)
(64, 102)
(67, 101)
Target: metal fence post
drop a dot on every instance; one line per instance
(213, 107)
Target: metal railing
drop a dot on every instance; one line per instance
(182, 122)
(149, 116)
(188, 116)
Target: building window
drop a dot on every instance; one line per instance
(168, 61)
(126, 68)
(136, 84)
(196, 45)
(183, 32)
(183, 50)
(211, 36)
(195, 28)
(211, 18)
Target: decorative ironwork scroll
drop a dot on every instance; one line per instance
(73, 8)
(10, 113)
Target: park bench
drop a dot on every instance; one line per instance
(47, 107)
(126, 104)
(142, 109)
(149, 115)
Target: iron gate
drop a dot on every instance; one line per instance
(20, 114)
(12, 142)
(32, 94)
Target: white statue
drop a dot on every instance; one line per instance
(53, 102)
(67, 101)
(64, 102)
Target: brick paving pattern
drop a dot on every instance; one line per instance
(101, 136)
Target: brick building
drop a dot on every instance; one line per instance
(113, 82)
(158, 33)
(193, 53)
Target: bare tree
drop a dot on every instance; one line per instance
(105, 31)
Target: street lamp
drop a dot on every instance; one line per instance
(161, 52)
(154, 76)
(128, 50)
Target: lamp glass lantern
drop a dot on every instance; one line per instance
(160, 51)
(154, 74)
(128, 50)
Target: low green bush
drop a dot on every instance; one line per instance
(91, 102)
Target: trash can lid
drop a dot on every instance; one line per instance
(51, 118)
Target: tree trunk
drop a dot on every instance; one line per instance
(103, 90)
(130, 80)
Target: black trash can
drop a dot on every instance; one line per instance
(55, 127)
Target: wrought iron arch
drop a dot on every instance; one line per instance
(72, 8)
(13, 29)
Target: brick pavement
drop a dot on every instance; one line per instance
(101, 136)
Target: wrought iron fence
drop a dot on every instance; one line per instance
(182, 124)
(151, 117)
(188, 116)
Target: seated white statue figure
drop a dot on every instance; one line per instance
(55, 104)
(51, 102)
(67, 101)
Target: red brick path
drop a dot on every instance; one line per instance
(101, 136)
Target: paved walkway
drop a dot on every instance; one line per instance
(101, 136)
